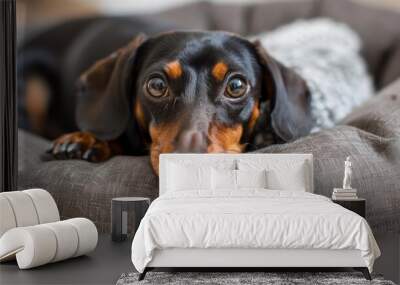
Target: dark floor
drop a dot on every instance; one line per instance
(102, 266)
(111, 259)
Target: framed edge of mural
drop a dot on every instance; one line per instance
(8, 98)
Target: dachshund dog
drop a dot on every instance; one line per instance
(203, 92)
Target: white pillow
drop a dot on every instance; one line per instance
(281, 174)
(223, 179)
(251, 178)
(181, 177)
(226, 179)
(292, 179)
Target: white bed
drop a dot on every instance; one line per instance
(194, 224)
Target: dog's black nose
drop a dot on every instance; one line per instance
(192, 141)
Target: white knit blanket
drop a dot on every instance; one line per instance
(327, 55)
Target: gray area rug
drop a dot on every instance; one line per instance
(270, 278)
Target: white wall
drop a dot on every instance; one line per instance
(143, 6)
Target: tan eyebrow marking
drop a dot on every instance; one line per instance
(219, 70)
(173, 69)
(139, 115)
(255, 114)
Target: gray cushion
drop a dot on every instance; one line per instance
(268, 16)
(391, 69)
(190, 16)
(80, 188)
(377, 27)
(229, 17)
(371, 136)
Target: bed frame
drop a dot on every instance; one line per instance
(236, 259)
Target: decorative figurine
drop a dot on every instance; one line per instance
(347, 192)
(348, 172)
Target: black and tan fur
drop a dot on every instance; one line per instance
(116, 114)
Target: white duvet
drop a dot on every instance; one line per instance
(250, 218)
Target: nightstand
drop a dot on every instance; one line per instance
(356, 205)
(120, 209)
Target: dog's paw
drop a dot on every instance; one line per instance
(80, 145)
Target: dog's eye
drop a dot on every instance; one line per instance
(236, 87)
(157, 87)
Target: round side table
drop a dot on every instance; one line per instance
(121, 207)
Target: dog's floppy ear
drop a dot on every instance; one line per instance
(104, 105)
(289, 95)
